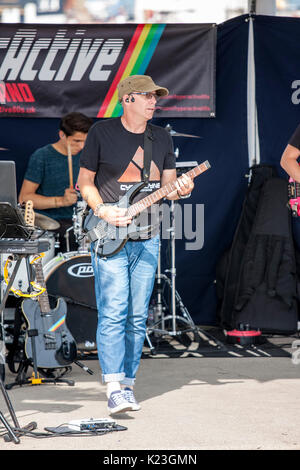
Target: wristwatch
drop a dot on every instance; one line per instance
(98, 209)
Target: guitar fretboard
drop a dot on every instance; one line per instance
(164, 191)
(43, 297)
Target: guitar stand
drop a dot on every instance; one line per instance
(35, 379)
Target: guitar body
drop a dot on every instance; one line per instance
(294, 197)
(54, 346)
(111, 239)
(58, 353)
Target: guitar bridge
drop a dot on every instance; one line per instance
(50, 342)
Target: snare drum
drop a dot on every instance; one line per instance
(70, 275)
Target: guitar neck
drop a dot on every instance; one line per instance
(164, 191)
(43, 297)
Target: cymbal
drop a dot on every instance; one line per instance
(45, 223)
(179, 134)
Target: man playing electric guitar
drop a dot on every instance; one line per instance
(111, 162)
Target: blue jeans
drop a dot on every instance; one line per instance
(123, 288)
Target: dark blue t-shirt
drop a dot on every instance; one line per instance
(50, 170)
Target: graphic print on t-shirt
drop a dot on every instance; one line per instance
(133, 172)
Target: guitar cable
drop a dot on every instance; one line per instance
(60, 431)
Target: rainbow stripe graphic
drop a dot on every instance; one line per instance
(135, 62)
(56, 325)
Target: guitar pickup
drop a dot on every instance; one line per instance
(50, 346)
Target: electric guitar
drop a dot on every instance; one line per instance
(54, 345)
(110, 239)
(294, 197)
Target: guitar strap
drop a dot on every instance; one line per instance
(148, 139)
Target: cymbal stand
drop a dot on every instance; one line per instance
(158, 311)
(159, 317)
(160, 325)
(158, 308)
(76, 228)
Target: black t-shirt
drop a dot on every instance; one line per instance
(295, 139)
(117, 157)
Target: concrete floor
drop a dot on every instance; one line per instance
(187, 404)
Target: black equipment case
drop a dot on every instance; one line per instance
(256, 278)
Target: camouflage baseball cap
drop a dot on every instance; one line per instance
(139, 83)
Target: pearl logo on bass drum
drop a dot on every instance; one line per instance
(81, 270)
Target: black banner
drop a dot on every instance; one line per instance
(50, 70)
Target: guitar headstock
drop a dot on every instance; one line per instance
(29, 214)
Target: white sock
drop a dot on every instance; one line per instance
(112, 387)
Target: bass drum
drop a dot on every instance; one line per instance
(70, 275)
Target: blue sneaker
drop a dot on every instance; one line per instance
(117, 403)
(130, 398)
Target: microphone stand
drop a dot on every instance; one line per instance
(174, 320)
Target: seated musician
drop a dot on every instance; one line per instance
(47, 178)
